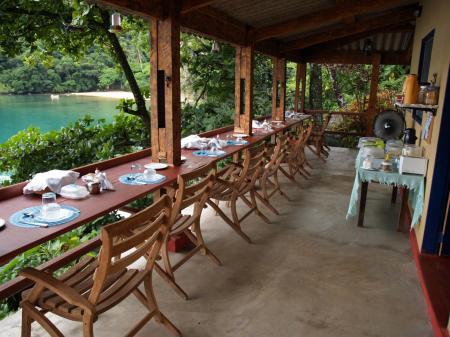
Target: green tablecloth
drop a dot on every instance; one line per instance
(414, 183)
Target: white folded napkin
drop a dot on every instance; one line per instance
(54, 180)
(257, 125)
(193, 142)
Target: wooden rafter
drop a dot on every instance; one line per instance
(216, 25)
(315, 20)
(147, 9)
(392, 18)
(152, 8)
(192, 5)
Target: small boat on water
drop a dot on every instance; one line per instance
(52, 97)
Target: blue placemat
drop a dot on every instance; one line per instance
(237, 142)
(139, 179)
(206, 153)
(19, 218)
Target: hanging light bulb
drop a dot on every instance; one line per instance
(116, 23)
(215, 47)
(368, 47)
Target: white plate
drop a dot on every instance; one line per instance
(369, 169)
(183, 158)
(156, 166)
(240, 135)
(74, 192)
(62, 214)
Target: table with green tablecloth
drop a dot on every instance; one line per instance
(413, 187)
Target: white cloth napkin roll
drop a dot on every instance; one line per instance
(54, 180)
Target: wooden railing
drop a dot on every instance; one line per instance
(360, 115)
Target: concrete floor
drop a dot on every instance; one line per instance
(308, 273)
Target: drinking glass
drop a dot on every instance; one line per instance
(50, 207)
(136, 168)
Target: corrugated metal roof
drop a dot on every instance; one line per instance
(382, 42)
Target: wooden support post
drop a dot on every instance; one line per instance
(372, 108)
(278, 89)
(297, 87)
(303, 77)
(244, 89)
(165, 85)
(300, 87)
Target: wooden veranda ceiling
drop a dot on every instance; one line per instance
(299, 30)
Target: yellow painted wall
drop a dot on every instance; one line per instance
(435, 15)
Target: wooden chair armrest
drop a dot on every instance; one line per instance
(229, 169)
(235, 164)
(225, 182)
(58, 287)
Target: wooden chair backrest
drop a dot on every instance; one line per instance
(252, 167)
(193, 188)
(279, 151)
(145, 231)
(306, 132)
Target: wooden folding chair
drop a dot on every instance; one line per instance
(193, 190)
(316, 142)
(95, 285)
(235, 182)
(295, 159)
(268, 181)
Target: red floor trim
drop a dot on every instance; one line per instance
(437, 298)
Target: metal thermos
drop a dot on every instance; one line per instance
(410, 136)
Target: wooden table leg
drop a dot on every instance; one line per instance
(404, 206)
(394, 194)
(362, 203)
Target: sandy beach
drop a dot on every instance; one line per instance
(105, 94)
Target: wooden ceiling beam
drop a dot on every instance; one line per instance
(215, 25)
(393, 17)
(147, 9)
(192, 5)
(317, 19)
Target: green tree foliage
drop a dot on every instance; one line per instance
(86, 141)
(70, 27)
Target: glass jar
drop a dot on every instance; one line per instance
(423, 88)
(411, 150)
(432, 95)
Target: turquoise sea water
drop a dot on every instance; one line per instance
(19, 112)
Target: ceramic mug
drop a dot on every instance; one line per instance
(149, 173)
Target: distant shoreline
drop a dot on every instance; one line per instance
(101, 94)
(104, 94)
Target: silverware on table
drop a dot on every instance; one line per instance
(34, 223)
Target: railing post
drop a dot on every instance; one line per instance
(279, 89)
(372, 106)
(244, 89)
(165, 86)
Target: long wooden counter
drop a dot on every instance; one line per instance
(15, 240)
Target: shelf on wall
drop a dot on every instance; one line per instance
(422, 107)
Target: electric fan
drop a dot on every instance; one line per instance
(389, 124)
